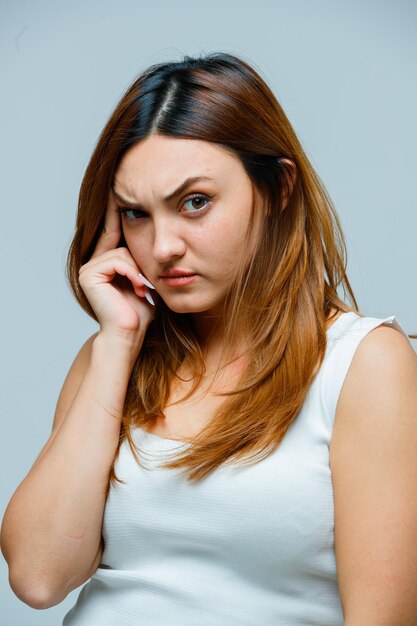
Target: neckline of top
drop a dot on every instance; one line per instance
(330, 330)
(334, 328)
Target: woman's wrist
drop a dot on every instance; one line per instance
(119, 344)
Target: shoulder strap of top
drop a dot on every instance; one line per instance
(343, 342)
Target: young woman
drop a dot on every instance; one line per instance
(235, 445)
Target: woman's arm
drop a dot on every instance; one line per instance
(51, 531)
(374, 470)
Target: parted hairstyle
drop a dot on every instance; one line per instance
(280, 299)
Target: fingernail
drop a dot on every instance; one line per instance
(149, 298)
(146, 281)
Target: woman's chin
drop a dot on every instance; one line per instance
(188, 307)
(183, 308)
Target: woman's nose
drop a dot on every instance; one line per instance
(168, 243)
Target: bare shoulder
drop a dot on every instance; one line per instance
(385, 341)
(374, 472)
(381, 382)
(384, 367)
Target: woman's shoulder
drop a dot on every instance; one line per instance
(362, 351)
(352, 321)
(382, 368)
(384, 350)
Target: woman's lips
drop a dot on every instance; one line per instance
(178, 281)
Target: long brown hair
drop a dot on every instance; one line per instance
(281, 301)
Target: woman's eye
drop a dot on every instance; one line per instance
(197, 202)
(131, 214)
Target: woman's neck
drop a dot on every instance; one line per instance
(209, 330)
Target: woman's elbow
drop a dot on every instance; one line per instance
(34, 594)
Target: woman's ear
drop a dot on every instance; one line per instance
(290, 173)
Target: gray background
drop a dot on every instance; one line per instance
(344, 72)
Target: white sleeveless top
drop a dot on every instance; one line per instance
(247, 545)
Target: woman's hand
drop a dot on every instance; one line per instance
(112, 283)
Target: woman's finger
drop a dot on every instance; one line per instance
(105, 270)
(110, 237)
(122, 253)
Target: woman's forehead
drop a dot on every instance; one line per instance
(160, 166)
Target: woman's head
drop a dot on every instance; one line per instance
(208, 114)
(268, 251)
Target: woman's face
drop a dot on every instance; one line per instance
(199, 230)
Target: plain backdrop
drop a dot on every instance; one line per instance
(344, 72)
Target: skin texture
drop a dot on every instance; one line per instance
(202, 235)
(374, 471)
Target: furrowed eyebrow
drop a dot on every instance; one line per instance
(184, 185)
